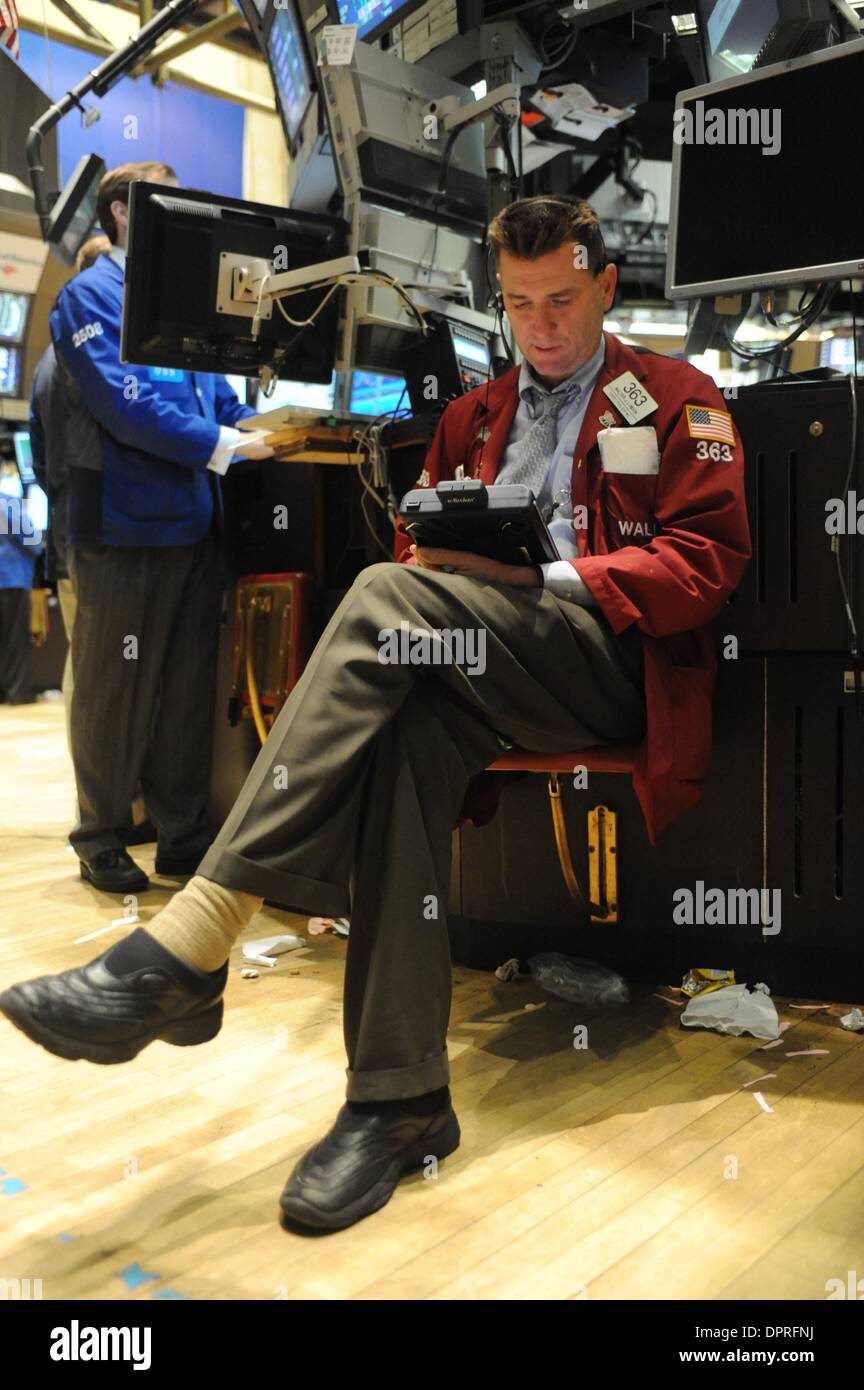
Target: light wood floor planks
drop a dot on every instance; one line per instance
(636, 1169)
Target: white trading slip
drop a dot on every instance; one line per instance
(629, 450)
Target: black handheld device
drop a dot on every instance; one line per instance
(502, 522)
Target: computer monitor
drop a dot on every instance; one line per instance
(761, 178)
(838, 353)
(24, 456)
(13, 315)
(289, 67)
(377, 393)
(374, 107)
(73, 216)
(732, 33)
(372, 17)
(10, 370)
(177, 310)
(304, 395)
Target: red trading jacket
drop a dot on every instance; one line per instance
(671, 580)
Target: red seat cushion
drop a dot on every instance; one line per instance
(607, 757)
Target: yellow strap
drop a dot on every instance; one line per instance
(559, 825)
(251, 683)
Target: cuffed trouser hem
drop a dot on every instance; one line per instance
(398, 1083)
(294, 891)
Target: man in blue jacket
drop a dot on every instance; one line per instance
(146, 447)
(53, 397)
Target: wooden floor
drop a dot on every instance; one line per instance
(638, 1168)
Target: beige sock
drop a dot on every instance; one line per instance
(202, 922)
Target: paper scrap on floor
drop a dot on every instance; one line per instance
(734, 1010)
(262, 951)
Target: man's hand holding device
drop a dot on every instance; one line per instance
(477, 566)
(497, 534)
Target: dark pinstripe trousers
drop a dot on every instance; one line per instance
(350, 805)
(144, 669)
(15, 644)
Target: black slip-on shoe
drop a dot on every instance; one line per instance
(355, 1168)
(104, 1015)
(114, 871)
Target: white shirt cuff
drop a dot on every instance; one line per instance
(229, 439)
(562, 579)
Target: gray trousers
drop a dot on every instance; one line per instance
(350, 805)
(143, 698)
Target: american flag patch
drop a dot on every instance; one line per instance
(704, 422)
(9, 24)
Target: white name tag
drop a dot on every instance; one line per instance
(629, 450)
(629, 396)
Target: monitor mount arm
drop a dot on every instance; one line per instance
(99, 81)
(454, 115)
(248, 285)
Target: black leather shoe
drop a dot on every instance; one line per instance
(114, 871)
(354, 1169)
(107, 1016)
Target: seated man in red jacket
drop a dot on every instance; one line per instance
(350, 805)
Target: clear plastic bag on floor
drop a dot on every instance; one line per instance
(580, 981)
(735, 1010)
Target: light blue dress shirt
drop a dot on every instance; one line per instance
(559, 576)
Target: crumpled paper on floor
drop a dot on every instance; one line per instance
(262, 951)
(735, 1010)
(853, 1020)
(508, 971)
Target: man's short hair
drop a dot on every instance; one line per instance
(90, 252)
(115, 188)
(531, 227)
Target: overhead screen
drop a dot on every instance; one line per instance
(279, 31)
(289, 67)
(733, 32)
(763, 175)
(13, 315)
(73, 216)
(10, 370)
(374, 16)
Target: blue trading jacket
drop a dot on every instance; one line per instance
(140, 437)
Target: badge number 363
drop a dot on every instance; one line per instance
(719, 453)
(637, 397)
